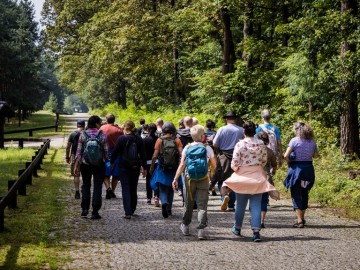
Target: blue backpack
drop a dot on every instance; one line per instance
(93, 151)
(196, 162)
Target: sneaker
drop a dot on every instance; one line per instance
(262, 226)
(95, 215)
(235, 231)
(231, 209)
(113, 196)
(224, 203)
(201, 234)
(185, 229)
(164, 210)
(256, 237)
(108, 194)
(77, 195)
(180, 193)
(213, 192)
(298, 225)
(156, 201)
(148, 201)
(84, 213)
(169, 212)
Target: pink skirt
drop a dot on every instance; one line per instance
(249, 180)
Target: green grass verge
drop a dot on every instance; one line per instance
(12, 160)
(32, 232)
(37, 119)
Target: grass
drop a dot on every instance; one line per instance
(37, 119)
(32, 232)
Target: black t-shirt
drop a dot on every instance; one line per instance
(73, 139)
(149, 146)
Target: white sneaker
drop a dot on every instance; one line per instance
(201, 234)
(185, 229)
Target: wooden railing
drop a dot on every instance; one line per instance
(18, 186)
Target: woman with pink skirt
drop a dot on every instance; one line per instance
(249, 180)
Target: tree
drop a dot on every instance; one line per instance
(52, 104)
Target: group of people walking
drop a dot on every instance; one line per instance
(239, 158)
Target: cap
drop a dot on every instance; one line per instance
(80, 123)
(230, 114)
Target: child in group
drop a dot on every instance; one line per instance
(270, 169)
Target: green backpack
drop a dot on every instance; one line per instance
(169, 154)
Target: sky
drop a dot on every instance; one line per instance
(38, 7)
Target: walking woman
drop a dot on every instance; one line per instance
(130, 147)
(301, 174)
(249, 180)
(167, 149)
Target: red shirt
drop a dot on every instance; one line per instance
(112, 133)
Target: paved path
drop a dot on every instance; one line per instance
(151, 242)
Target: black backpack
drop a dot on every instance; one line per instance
(130, 156)
(169, 154)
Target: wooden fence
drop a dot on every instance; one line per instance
(18, 186)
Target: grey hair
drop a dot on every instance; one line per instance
(196, 132)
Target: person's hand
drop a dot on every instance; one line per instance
(144, 173)
(175, 185)
(77, 170)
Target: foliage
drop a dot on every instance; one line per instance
(52, 104)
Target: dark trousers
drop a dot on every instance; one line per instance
(129, 181)
(98, 174)
(300, 196)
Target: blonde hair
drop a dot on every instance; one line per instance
(196, 132)
(188, 121)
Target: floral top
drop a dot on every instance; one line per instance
(249, 152)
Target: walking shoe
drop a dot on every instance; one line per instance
(201, 234)
(298, 225)
(77, 195)
(231, 209)
(224, 203)
(262, 226)
(127, 216)
(84, 213)
(113, 196)
(256, 237)
(235, 231)
(164, 210)
(169, 212)
(156, 201)
(108, 194)
(185, 229)
(95, 215)
(148, 201)
(213, 192)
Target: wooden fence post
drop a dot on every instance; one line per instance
(13, 202)
(35, 168)
(22, 188)
(21, 144)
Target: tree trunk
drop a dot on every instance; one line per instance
(248, 30)
(349, 124)
(228, 43)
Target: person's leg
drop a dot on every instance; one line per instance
(297, 199)
(170, 199)
(148, 186)
(255, 210)
(85, 188)
(163, 194)
(134, 179)
(305, 205)
(231, 203)
(125, 191)
(189, 197)
(202, 198)
(115, 177)
(241, 202)
(98, 178)
(264, 204)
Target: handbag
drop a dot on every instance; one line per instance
(274, 194)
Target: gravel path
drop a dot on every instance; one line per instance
(151, 242)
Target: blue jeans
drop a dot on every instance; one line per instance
(166, 195)
(98, 175)
(255, 210)
(264, 201)
(231, 203)
(129, 180)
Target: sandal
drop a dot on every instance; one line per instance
(298, 225)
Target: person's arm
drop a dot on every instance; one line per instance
(273, 163)
(316, 152)
(179, 171)
(78, 155)
(287, 154)
(235, 162)
(280, 153)
(155, 155)
(67, 151)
